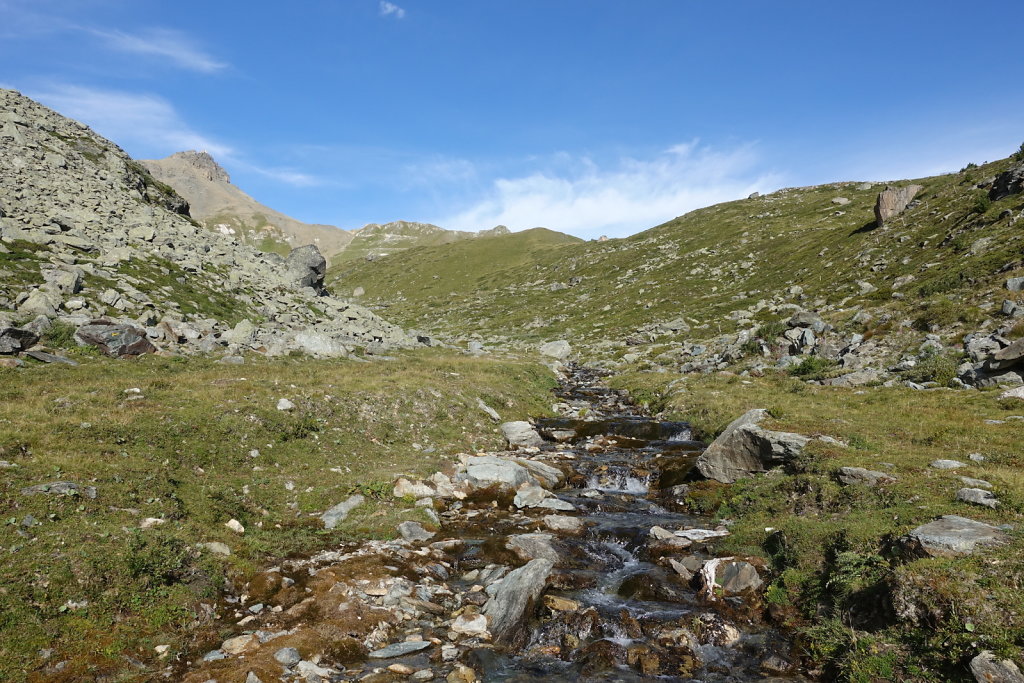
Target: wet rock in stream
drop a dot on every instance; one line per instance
(553, 562)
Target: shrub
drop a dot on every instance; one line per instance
(812, 367)
(771, 329)
(982, 203)
(939, 368)
(1019, 154)
(61, 335)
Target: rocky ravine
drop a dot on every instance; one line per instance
(86, 233)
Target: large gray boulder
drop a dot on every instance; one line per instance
(1007, 183)
(987, 668)
(306, 267)
(559, 350)
(114, 339)
(15, 339)
(1007, 357)
(515, 598)
(521, 434)
(744, 449)
(893, 200)
(951, 536)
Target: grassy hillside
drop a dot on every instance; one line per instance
(373, 241)
(194, 444)
(952, 244)
(427, 276)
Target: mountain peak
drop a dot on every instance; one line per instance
(205, 163)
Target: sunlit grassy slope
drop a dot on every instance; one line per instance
(701, 266)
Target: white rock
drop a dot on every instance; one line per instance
(285, 404)
(235, 526)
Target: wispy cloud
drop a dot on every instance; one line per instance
(579, 196)
(146, 123)
(288, 176)
(170, 45)
(391, 9)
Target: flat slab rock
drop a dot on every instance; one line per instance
(400, 649)
(951, 536)
(859, 475)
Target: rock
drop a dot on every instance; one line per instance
(319, 344)
(306, 267)
(950, 536)
(530, 495)
(60, 488)
(744, 449)
(521, 434)
(414, 532)
(337, 514)
(488, 470)
(217, 548)
(242, 334)
(516, 597)
(1016, 392)
(40, 303)
(807, 319)
(556, 504)
(114, 339)
(559, 350)
(472, 625)
(44, 357)
(976, 483)
(407, 489)
(493, 414)
(285, 405)
(736, 577)
(989, 669)
(15, 340)
(893, 200)
(251, 677)
(1007, 357)
(556, 603)
(1014, 284)
(400, 649)
(977, 496)
(240, 644)
(235, 526)
(564, 524)
(288, 656)
(1007, 183)
(947, 464)
(533, 546)
(859, 475)
(840, 201)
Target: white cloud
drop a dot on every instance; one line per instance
(388, 8)
(579, 196)
(288, 176)
(146, 123)
(170, 45)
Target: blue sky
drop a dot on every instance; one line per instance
(586, 116)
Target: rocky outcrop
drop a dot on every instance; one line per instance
(745, 448)
(1007, 183)
(892, 201)
(950, 536)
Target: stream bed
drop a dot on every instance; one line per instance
(566, 560)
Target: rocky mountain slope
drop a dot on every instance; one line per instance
(223, 207)
(871, 272)
(86, 232)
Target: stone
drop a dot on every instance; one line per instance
(239, 644)
(947, 464)
(564, 524)
(744, 449)
(893, 200)
(473, 625)
(400, 649)
(521, 434)
(414, 532)
(217, 548)
(337, 514)
(242, 334)
(235, 526)
(407, 489)
(288, 656)
(559, 350)
(60, 488)
(40, 303)
(319, 344)
(840, 201)
(285, 405)
(533, 546)
(977, 496)
(1014, 284)
(114, 339)
(530, 496)
(859, 475)
(557, 603)
(14, 339)
(1016, 392)
(736, 577)
(1007, 357)
(807, 319)
(516, 597)
(951, 536)
(487, 470)
(556, 504)
(306, 267)
(1007, 183)
(491, 412)
(987, 668)
(975, 483)
(44, 357)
